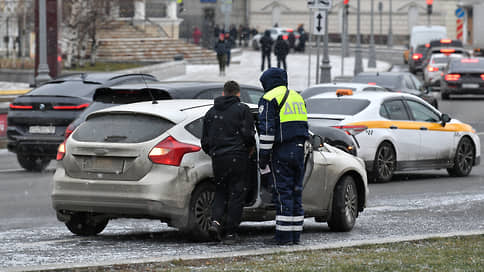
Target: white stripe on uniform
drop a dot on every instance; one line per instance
(289, 228)
(289, 218)
(266, 138)
(265, 146)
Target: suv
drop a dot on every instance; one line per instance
(37, 120)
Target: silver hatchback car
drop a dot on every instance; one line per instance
(144, 160)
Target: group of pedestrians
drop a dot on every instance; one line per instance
(228, 138)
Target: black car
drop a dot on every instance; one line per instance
(37, 120)
(124, 94)
(420, 57)
(404, 82)
(415, 61)
(336, 137)
(463, 76)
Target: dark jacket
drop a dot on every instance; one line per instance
(228, 128)
(291, 39)
(281, 48)
(220, 47)
(266, 42)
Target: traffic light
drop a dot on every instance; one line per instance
(346, 2)
(429, 6)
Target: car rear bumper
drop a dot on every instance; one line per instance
(158, 195)
(40, 146)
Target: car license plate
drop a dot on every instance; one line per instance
(103, 165)
(42, 129)
(470, 85)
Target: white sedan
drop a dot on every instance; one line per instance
(398, 132)
(341, 87)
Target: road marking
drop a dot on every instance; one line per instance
(12, 92)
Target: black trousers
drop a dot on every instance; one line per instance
(230, 189)
(264, 56)
(283, 60)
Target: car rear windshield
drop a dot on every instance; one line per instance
(66, 88)
(467, 66)
(317, 90)
(336, 106)
(388, 81)
(121, 128)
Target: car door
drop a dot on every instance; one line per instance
(436, 142)
(401, 130)
(315, 183)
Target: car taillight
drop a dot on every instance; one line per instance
(482, 76)
(61, 151)
(170, 151)
(452, 77)
(76, 107)
(416, 56)
(352, 130)
(21, 107)
(70, 128)
(371, 83)
(432, 69)
(285, 37)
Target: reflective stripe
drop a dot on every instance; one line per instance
(266, 137)
(289, 218)
(265, 146)
(289, 228)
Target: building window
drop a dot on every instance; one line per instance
(126, 8)
(155, 8)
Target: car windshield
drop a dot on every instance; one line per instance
(391, 82)
(467, 65)
(336, 106)
(121, 128)
(317, 90)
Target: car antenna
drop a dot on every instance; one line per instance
(153, 100)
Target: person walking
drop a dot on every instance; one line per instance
(291, 39)
(221, 50)
(196, 35)
(229, 43)
(266, 43)
(283, 130)
(228, 138)
(281, 49)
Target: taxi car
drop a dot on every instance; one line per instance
(333, 87)
(398, 132)
(144, 160)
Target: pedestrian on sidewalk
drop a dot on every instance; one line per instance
(196, 35)
(266, 43)
(283, 131)
(281, 49)
(229, 43)
(221, 50)
(228, 138)
(291, 39)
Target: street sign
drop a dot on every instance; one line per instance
(320, 4)
(226, 7)
(460, 12)
(319, 23)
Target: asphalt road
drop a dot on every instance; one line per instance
(428, 202)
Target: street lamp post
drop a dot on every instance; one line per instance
(43, 70)
(325, 66)
(346, 47)
(372, 56)
(358, 62)
(390, 34)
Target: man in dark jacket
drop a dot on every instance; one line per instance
(221, 50)
(228, 138)
(266, 48)
(281, 49)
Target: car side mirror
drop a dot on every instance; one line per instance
(317, 142)
(445, 119)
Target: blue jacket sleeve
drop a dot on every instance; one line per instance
(267, 129)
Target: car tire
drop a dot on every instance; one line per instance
(345, 205)
(384, 164)
(32, 163)
(200, 213)
(444, 95)
(84, 224)
(464, 158)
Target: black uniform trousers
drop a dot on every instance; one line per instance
(230, 180)
(266, 55)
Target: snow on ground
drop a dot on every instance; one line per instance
(248, 71)
(4, 85)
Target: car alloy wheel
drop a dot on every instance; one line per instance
(385, 162)
(464, 158)
(85, 224)
(201, 211)
(345, 205)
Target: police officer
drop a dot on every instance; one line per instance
(283, 130)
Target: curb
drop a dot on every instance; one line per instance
(14, 92)
(299, 248)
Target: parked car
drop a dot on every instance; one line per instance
(398, 132)
(37, 120)
(132, 93)
(275, 32)
(334, 87)
(435, 67)
(404, 82)
(463, 76)
(144, 160)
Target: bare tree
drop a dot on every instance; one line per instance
(80, 20)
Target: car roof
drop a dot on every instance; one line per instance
(175, 111)
(370, 95)
(345, 85)
(400, 73)
(98, 77)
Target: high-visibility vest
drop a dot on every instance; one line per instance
(294, 109)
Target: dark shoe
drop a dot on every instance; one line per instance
(274, 242)
(230, 239)
(215, 231)
(296, 242)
